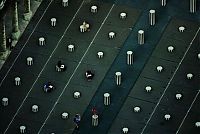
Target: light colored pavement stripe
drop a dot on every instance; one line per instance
(42, 68)
(75, 71)
(169, 83)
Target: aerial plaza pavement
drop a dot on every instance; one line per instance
(104, 67)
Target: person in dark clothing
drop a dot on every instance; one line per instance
(94, 111)
(61, 66)
(77, 120)
(89, 75)
(48, 87)
(9, 43)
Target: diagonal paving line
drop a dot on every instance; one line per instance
(194, 97)
(75, 69)
(187, 112)
(25, 44)
(43, 67)
(169, 82)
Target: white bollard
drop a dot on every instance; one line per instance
(163, 2)
(71, 48)
(198, 56)
(29, 61)
(106, 99)
(111, 35)
(65, 3)
(122, 15)
(170, 49)
(5, 101)
(22, 129)
(17, 81)
(41, 41)
(178, 96)
(189, 76)
(193, 6)
(77, 95)
(148, 88)
(125, 130)
(159, 69)
(35, 108)
(140, 37)
(167, 117)
(53, 22)
(95, 120)
(118, 77)
(65, 115)
(94, 9)
(129, 57)
(152, 17)
(136, 109)
(181, 29)
(197, 124)
(100, 54)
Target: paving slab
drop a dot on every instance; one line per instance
(140, 92)
(158, 120)
(150, 70)
(31, 126)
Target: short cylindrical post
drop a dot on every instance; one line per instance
(122, 15)
(193, 6)
(178, 96)
(152, 17)
(41, 41)
(29, 61)
(167, 117)
(22, 129)
(136, 109)
(170, 49)
(197, 124)
(111, 35)
(65, 115)
(35, 108)
(95, 120)
(189, 76)
(118, 77)
(70, 48)
(17, 81)
(125, 130)
(129, 57)
(5, 101)
(163, 2)
(65, 3)
(53, 22)
(100, 54)
(141, 37)
(94, 9)
(77, 95)
(106, 99)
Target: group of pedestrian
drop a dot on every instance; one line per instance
(77, 117)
